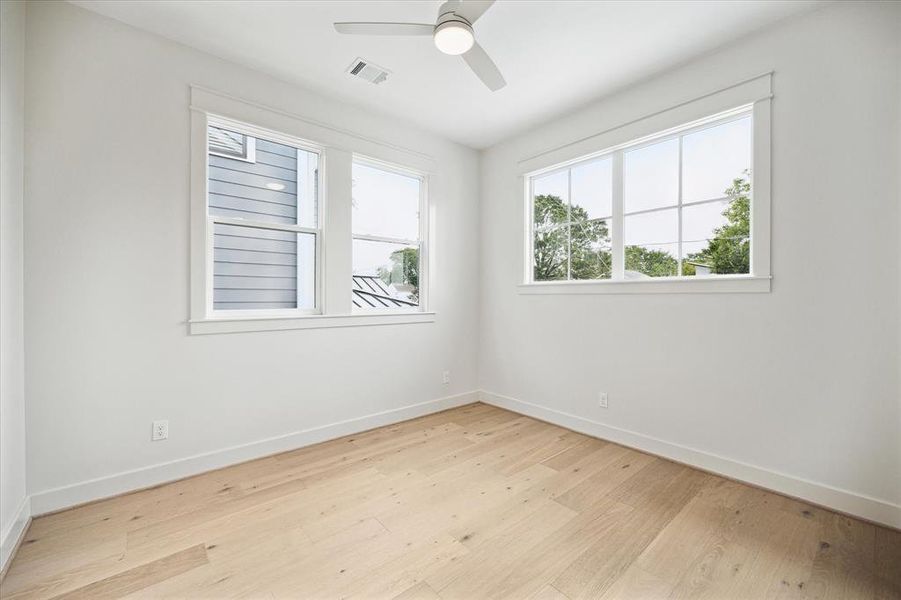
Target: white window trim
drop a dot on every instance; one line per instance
(422, 242)
(757, 96)
(336, 148)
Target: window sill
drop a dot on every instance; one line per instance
(701, 285)
(244, 324)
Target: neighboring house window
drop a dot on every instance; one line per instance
(262, 199)
(677, 205)
(388, 240)
(232, 144)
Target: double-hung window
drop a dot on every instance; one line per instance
(673, 206)
(387, 237)
(262, 199)
(296, 225)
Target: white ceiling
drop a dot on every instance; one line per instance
(555, 55)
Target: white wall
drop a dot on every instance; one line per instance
(107, 227)
(802, 381)
(12, 341)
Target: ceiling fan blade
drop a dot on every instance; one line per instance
(482, 65)
(385, 28)
(471, 10)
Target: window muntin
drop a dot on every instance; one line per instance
(661, 231)
(264, 223)
(387, 264)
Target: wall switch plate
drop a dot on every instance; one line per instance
(445, 377)
(602, 399)
(160, 430)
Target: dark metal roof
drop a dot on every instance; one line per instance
(369, 291)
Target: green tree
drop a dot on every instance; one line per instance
(654, 263)
(729, 250)
(404, 269)
(562, 230)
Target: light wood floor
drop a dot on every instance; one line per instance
(471, 503)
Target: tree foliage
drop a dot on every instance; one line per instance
(729, 251)
(561, 230)
(654, 263)
(404, 270)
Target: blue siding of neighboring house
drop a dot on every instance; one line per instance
(254, 268)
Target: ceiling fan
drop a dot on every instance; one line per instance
(452, 33)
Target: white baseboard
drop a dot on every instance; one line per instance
(103, 487)
(858, 505)
(10, 539)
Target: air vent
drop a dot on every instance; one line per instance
(367, 71)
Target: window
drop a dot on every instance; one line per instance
(387, 238)
(288, 233)
(262, 199)
(672, 206)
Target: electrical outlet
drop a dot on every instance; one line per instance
(602, 399)
(445, 377)
(160, 430)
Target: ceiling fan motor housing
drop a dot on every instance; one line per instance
(453, 34)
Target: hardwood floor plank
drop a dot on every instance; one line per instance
(887, 578)
(548, 592)
(574, 453)
(843, 565)
(470, 503)
(420, 591)
(656, 494)
(141, 577)
(619, 465)
(476, 574)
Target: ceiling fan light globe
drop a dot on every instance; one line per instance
(454, 37)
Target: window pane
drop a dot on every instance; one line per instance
(385, 203)
(652, 244)
(550, 211)
(651, 176)
(385, 275)
(590, 250)
(549, 259)
(716, 238)
(550, 195)
(713, 158)
(279, 185)
(262, 269)
(592, 189)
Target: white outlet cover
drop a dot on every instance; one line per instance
(160, 430)
(602, 400)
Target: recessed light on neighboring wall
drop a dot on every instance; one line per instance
(275, 186)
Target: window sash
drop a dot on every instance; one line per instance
(618, 218)
(421, 243)
(251, 133)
